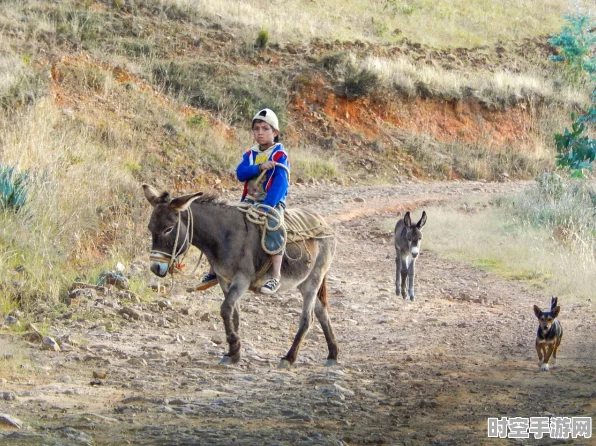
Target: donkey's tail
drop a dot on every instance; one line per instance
(322, 293)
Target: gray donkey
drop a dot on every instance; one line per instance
(233, 247)
(407, 243)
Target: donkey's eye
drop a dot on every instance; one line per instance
(168, 230)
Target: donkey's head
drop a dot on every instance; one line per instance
(414, 233)
(169, 231)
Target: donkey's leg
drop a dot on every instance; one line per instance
(404, 275)
(236, 318)
(411, 274)
(236, 311)
(231, 318)
(323, 317)
(397, 274)
(309, 289)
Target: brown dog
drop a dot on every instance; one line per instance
(550, 334)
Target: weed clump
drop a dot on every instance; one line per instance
(359, 83)
(13, 188)
(262, 39)
(567, 205)
(353, 81)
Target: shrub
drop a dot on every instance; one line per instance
(557, 202)
(262, 39)
(353, 80)
(359, 83)
(333, 62)
(550, 185)
(13, 188)
(576, 43)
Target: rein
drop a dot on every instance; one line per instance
(161, 255)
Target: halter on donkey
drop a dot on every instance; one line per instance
(233, 247)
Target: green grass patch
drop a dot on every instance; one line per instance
(510, 271)
(307, 163)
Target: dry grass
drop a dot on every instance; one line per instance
(476, 161)
(74, 191)
(440, 23)
(489, 87)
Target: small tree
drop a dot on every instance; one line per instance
(576, 43)
(575, 150)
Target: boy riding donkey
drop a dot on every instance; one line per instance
(264, 169)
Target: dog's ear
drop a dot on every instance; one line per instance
(555, 311)
(537, 311)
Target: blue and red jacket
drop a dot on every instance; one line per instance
(276, 180)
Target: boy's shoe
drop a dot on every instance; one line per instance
(207, 281)
(271, 286)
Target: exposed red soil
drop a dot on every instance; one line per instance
(448, 121)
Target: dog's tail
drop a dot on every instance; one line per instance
(553, 303)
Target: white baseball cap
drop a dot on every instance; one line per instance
(269, 117)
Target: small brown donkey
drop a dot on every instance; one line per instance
(407, 243)
(233, 247)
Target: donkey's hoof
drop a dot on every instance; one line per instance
(284, 364)
(412, 298)
(330, 362)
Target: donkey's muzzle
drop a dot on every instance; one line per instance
(414, 251)
(159, 268)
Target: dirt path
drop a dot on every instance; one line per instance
(425, 372)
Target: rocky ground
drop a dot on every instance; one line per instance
(425, 372)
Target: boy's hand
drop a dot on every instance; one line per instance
(267, 165)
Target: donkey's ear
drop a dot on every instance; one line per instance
(407, 220)
(182, 203)
(422, 220)
(150, 194)
(537, 311)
